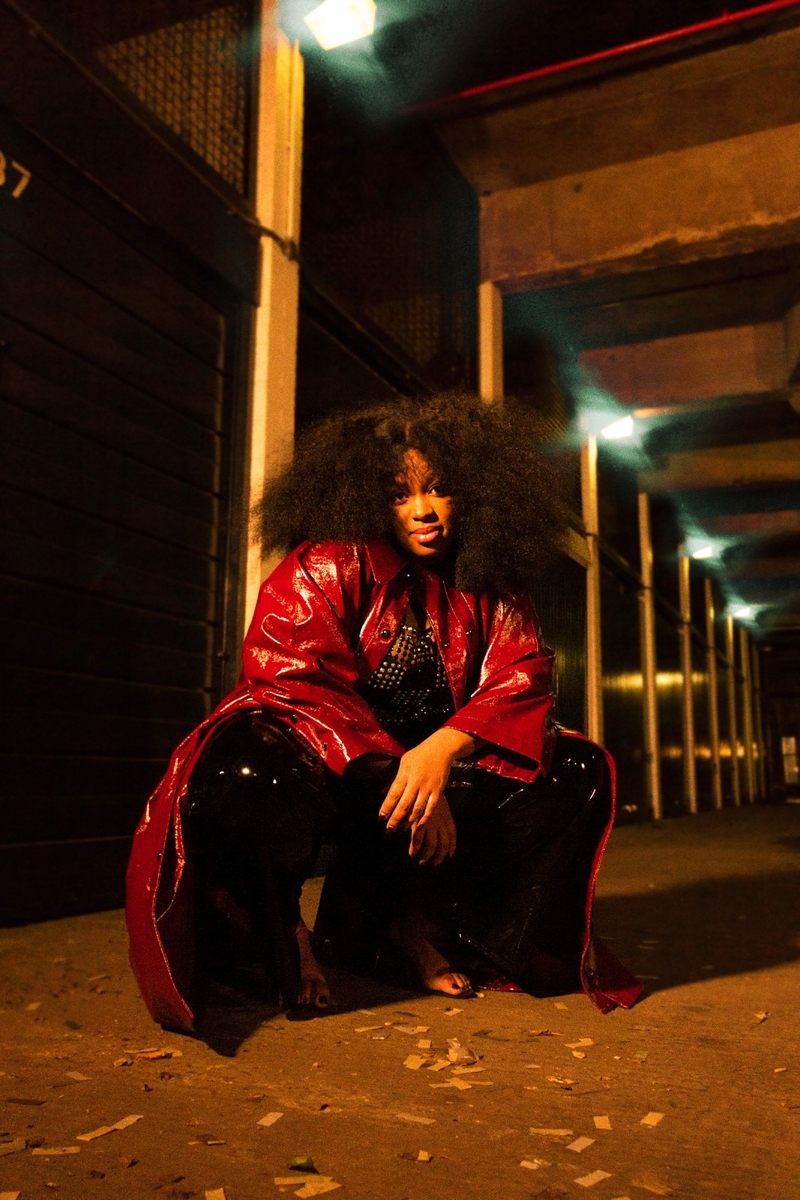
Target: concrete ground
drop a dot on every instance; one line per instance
(705, 910)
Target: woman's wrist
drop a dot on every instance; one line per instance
(455, 743)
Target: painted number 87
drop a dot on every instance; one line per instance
(23, 172)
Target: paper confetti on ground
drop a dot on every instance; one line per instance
(534, 1164)
(424, 1044)
(580, 1144)
(154, 1055)
(416, 1120)
(460, 1084)
(467, 1070)
(579, 1054)
(761, 1017)
(451, 1012)
(368, 1028)
(577, 1045)
(561, 1082)
(316, 1187)
(602, 1122)
(652, 1119)
(424, 1156)
(270, 1119)
(298, 1177)
(587, 1181)
(12, 1147)
(216, 1194)
(104, 1129)
(55, 1151)
(9, 1195)
(553, 1132)
(33, 1007)
(415, 1061)
(77, 1076)
(560, 1004)
(440, 1064)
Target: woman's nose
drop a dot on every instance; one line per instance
(422, 507)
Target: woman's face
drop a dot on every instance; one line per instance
(424, 515)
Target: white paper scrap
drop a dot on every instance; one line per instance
(77, 1075)
(316, 1187)
(55, 1151)
(416, 1120)
(602, 1122)
(552, 1132)
(580, 1144)
(652, 1119)
(104, 1129)
(216, 1194)
(10, 1195)
(587, 1181)
(270, 1119)
(534, 1164)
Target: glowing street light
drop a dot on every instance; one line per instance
(743, 612)
(336, 22)
(703, 552)
(623, 428)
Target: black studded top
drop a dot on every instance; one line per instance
(409, 692)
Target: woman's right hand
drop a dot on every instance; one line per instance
(435, 839)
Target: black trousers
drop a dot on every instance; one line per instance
(261, 805)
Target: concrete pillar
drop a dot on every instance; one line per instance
(758, 722)
(594, 656)
(490, 341)
(733, 724)
(689, 763)
(713, 698)
(747, 717)
(278, 159)
(647, 629)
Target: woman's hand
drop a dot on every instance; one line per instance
(435, 840)
(422, 777)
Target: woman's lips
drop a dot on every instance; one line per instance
(427, 535)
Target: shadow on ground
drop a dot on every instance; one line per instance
(234, 1014)
(715, 927)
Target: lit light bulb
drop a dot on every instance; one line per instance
(618, 429)
(703, 552)
(336, 22)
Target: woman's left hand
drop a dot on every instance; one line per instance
(422, 777)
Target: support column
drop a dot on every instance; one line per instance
(490, 341)
(761, 766)
(713, 698)
(278, 131)
(747, 717)
(594, 656)
(689, 761)
(648, 652)
(733, 724)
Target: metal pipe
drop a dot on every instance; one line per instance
(594, 657)
(647, 629)
(747, 716)
(730, 680)
(659, 39)
(689, 750)
(713, 698)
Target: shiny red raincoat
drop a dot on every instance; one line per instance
(325, 619)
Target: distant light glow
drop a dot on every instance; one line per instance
(703, 552)
(337, 22)
(623, 428)
(743, 612)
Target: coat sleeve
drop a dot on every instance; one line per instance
(298, 661)
(510, 705)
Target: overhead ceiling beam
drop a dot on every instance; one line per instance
(776, 462)
(742, 361)
(737, 195)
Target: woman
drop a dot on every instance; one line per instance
(395, 702)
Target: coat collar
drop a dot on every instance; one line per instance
(385, 562)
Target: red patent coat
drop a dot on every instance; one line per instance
(324, 621)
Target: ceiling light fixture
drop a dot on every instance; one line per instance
(703, 552)
(623, 428)
(336, 22)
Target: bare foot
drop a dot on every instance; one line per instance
(413, 935)
(314, 989)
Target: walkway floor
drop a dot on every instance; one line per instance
(694, 1093)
